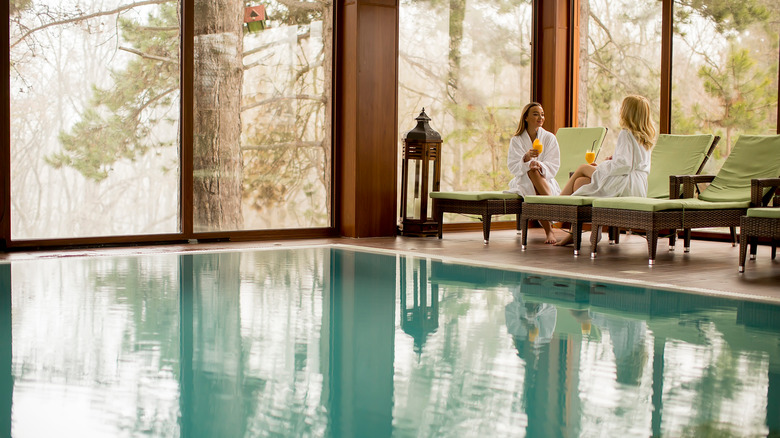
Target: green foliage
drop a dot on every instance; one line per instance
(684, 122)
(727, 15)
(289, 14)
(97, 142)
(743, 91)
(283, 158)
(485, 133)
(118, 122)
(16, 6)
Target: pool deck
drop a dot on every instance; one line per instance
(710, 267)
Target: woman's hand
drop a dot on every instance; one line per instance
(532, 153)
(535, 165)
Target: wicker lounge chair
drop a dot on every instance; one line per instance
(760, 221)
(672, 154)
(484, 204)
(721, 204)
(573, 143)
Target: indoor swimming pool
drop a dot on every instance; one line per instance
(329, 341)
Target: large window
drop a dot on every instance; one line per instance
(725, 70)
(94, 118)
(468, 64)
(262, 150)
(621, 50)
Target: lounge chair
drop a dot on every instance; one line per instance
(721, 204)
(672, 154)
(760, 222)
(573, 143)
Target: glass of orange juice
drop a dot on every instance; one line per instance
(590, 157)
(538, 146)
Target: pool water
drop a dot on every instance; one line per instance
(334, 342)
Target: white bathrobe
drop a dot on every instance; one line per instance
(624, 175)
(550, 159)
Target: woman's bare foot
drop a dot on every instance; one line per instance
(550, 239)
(568, 240)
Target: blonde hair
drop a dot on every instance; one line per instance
(523, 125)
(635, 116)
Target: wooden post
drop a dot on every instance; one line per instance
(366, 138)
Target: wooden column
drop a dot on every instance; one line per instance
(5, 132)
(667, 35)
(366, 138)
(555, 55)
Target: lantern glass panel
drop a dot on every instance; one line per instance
(429, 187)
(414, 190)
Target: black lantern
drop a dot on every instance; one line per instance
(420, 175)
(419, 300)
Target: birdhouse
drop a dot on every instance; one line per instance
(254, 18)
(421, 174)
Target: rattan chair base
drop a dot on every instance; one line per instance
(655, 222)
(485, 208)
(752, 228)
(576, 214)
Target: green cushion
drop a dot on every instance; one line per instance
(474, 196)
(638, 203)
(768, 212)
(573, 143)
(675, 155)
(753, 156)
(651, 204)
(698, 204)
(559, 200)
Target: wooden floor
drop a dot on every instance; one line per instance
(710, 267)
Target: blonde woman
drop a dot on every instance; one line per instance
(625, 172)
(534, 172)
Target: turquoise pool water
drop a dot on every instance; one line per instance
(333, 342)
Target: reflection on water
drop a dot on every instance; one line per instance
(328, 342)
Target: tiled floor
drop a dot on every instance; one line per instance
(710, 267)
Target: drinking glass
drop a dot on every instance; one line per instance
(590, 157)
(538, 146)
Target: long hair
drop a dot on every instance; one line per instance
(523, 125)
(635, 116)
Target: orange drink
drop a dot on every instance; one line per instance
(538, 146)
(590, 157)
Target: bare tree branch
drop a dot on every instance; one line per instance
(258, 62)
(147, 56)
(602, 26)
(159, 28)
(304, 6)
(301, 37)
(266, 147)
(420, 66)
(87, 17)
(280, 98)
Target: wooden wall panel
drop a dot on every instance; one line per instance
(666, 67)
(551, 62)
(345, 138)
(366, 135)
(5, 133)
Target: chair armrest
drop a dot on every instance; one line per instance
(689, 185)
(760, 185)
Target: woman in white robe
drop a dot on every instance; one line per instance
(534, 173)
(625, 172)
